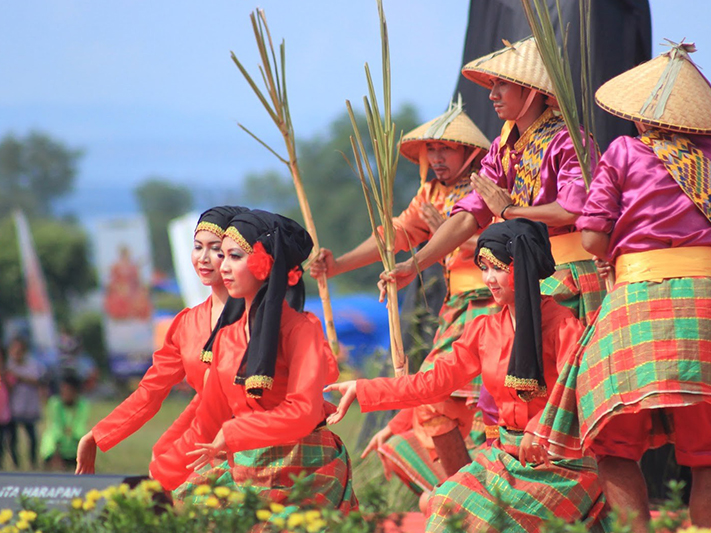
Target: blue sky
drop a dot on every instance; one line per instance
(148, 88)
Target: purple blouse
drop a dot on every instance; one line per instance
(561, 179)
(635, 200)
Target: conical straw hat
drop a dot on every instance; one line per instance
(668, 92)
(454, 126)
(520, 63)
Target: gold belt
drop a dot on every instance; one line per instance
(568, 247)
(656, 265)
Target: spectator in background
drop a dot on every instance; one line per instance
(72, 359)
(5, 414)
(66, 419)
(24, 374)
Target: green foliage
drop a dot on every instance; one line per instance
(62, 249)
(334, 191)
(34, 170)
(160, 202)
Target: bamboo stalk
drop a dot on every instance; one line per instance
(378, 191)
(276, 103)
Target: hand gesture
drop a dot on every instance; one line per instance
(324, 263)
(532, 452)
(348, 390)
(431, 216)
(604, 268)
(402, 275)
(86, 454)
(207, 452)
(494, 196)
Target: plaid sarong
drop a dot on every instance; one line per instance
(320, 456)
(577, 286)
(649, 348)
(413, 463)
(496, 493)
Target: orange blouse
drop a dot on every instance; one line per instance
(178, 358)
(484, 348)
(291, 410)
(411, 229)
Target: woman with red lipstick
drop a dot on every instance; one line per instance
(263, 401)
(185, 352)
(518, 352)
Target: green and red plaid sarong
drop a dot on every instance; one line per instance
(649, 348)
(320, 456)
(497, 493)
(413, 463)
(578, 286)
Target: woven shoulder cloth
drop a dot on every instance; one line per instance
(689, 167)
(532, 145)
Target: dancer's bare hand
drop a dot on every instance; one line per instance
(380, 438)
(402, 275)
(324, 263)
(431, 216)
(206, 452)
(604, 268)
(531, 452)
(494, 196)
(348, 391)
(86, 454)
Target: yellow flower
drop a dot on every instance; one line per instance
(9, 529)
(312, 515)
(22, 524)
(202, 490)
(294, 520)
(263, 515)
(276, 507)
(236, 497)
(28, 516)
(109, 492)
(213, 502)
(5, 515)
(151, 485)
(279, 522)
(316, 525)
(77, 503)
(88, 505)
(222, 492)
(124, 489)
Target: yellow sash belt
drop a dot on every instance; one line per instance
(568, 247)
(466, 278)
(656, 265)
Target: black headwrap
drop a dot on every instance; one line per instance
(215, 220)
(288, 245)
(526, 243)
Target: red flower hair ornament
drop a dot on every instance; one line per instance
(294, 275)
(259, 262)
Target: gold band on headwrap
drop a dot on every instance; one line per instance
(211, 227)
(489, 255)
(234, 234)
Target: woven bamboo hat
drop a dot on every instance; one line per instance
(520, 63)
(668, 92)
(454, 126)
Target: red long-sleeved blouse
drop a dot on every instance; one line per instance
(288, 412)
(178, 358)
(484, 348)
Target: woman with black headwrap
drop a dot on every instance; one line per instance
(512, 486)
(263, 402)
(185, 352)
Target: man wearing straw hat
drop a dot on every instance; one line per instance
(531, 171)
(452, 146)
(645, 375)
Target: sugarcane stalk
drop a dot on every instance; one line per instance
(276, 103)
(379, 191)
